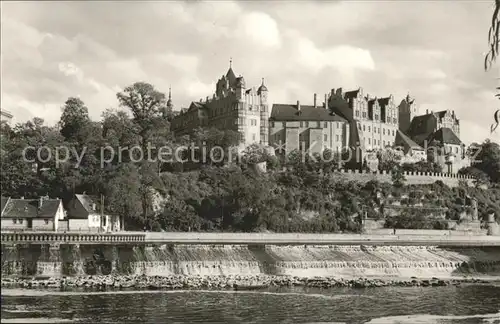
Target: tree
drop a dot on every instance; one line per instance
(422, 166)
(146, 104)
(220, 145)
(398, 177)
(489, 160)
(493, 37)
(480, 177)
(74, 119)
(123, 196)
(388, 159)
(494, 41)
(179, 216)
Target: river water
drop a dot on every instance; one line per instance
(465, 304)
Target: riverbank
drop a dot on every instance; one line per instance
(236, 282)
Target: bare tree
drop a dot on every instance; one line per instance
(493, 53)
(493, 37)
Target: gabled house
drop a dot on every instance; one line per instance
(308, 127)
(43, 214)
(446, 149)
(412, 151)
(85, 214)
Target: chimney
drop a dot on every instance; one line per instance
(40, 202)
(315, 102)
(427, 111)
(22, 197)
(326, 101)
(298, 105)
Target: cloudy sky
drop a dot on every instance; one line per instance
(432, 49)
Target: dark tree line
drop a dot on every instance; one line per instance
(199, 196)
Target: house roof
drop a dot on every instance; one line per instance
(287, 112)
(88, 203)
(3, 202)
(445, 135)
(384, 101)
(421, 127)
(196, 105)
(401, 138)
(28, 208)
(440, 114)
(351, 94)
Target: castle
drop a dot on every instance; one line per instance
(233, 106)
(345, 120)
(378, 123)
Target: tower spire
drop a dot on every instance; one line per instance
(170, 105)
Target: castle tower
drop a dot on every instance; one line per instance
(407, 110)
(230, 76)
(170, 106)
(262, 92)
(240, 89)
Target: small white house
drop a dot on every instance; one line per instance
(42, 214)
(84, 214)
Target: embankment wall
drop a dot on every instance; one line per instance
(307, 261)
(450, 179)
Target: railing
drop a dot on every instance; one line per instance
(318, 239)
(87, 238)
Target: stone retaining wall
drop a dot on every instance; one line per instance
(450, 179)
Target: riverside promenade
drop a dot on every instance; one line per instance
(246, 238)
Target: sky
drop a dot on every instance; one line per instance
(432, 50)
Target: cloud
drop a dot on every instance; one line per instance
(199, 90)
(345, 57)
(70, 69)
(262, 29)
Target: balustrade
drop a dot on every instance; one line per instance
(70, 237)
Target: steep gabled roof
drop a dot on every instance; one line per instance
(196, 105)
(401, 138)
(28, 208)
(231, 77)
(384, 101)
(421, 127)
(440, 114)
(351, 94)
(444, 135)
(88, 203)
(3, 203)
(286, 112)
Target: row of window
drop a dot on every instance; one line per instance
(377, 142)
(388, 119)
(20, 221)
(306, 124)
(325, 137)
(377, 130)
